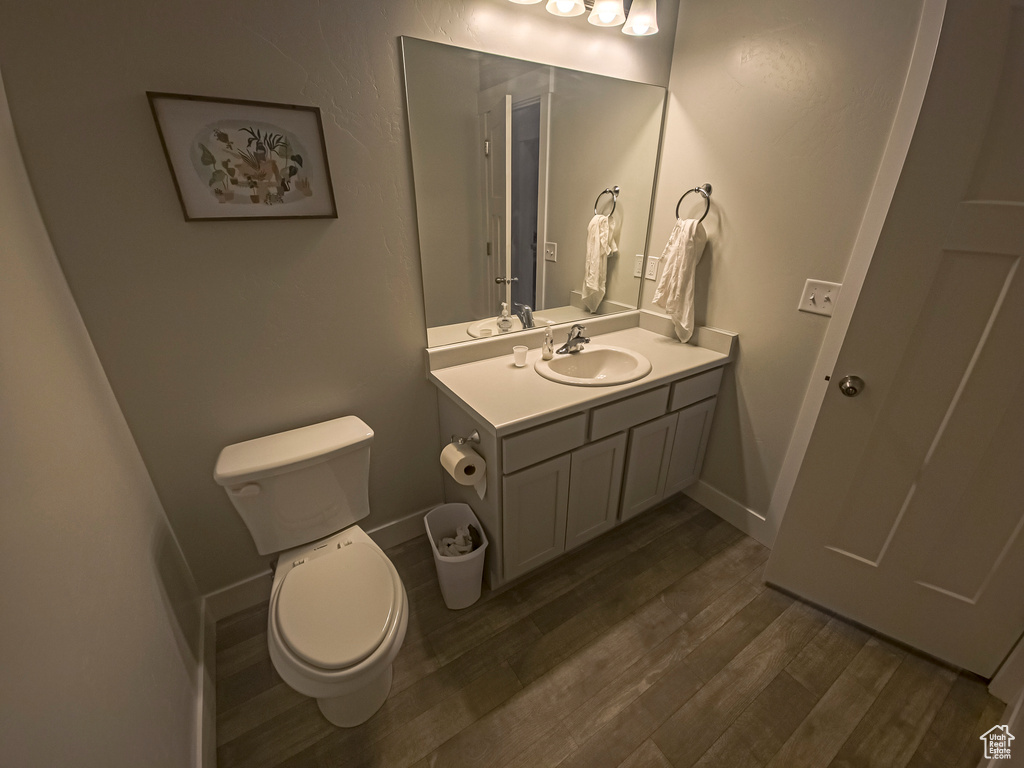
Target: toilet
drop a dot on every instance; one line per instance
(338, 608)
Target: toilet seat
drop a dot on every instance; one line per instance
(335, 609)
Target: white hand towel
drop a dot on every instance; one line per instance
(600, 243)
(679, 262)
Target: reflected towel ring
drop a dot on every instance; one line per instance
(704, 189)
(614, 192)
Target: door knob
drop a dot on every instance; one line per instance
(851, 385)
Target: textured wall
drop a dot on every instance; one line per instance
(215, 332)
(785, 108)
(100, 615)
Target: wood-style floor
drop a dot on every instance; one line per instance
(655, 645)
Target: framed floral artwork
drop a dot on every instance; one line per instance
(235, 159)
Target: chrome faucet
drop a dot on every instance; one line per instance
(575, 341)
(525, 314)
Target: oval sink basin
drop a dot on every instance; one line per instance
(595, 366)
(483, 328)
(489, 327)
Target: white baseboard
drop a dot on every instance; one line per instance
(1013, 717)
(399, 531)
(239, 596)
(730, 510)
(1007, 683)
(206, 693)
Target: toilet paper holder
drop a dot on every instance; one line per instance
(473, 438)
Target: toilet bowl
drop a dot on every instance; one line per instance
(338, 609)
(335, 627)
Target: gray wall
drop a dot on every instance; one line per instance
(215, 332)
(101, 619)
(785, 107)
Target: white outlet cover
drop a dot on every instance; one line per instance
(550, 251)
(652, 268)
(638, 266)
(819, 297)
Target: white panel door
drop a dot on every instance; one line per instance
(497, 129)
(908, 511)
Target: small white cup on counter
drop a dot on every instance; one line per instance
(519, 355)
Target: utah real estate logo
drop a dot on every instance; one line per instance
(997, 742)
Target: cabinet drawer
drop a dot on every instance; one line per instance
(621, 415)
(536, 445)
(695, 388)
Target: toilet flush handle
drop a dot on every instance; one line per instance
(249, 489)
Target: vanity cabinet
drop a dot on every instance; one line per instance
(625, 457)
(665, 456)
(567, 464)
(560, 503)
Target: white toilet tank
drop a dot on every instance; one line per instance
(299, 486)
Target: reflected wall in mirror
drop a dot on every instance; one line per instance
(510, 159)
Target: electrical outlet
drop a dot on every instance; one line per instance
(638, 265)
(652, 268)
(819, 297)
(550, 251)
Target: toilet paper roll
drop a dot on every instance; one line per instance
(466, 466)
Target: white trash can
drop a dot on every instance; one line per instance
(460, 577)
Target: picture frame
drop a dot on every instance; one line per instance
(234, 159)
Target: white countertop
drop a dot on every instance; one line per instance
(509, 398)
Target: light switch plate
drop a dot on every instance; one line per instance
(819, 297)
(652, 268)
(638, 265)
(550, 251)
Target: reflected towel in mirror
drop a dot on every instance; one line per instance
(600, 243)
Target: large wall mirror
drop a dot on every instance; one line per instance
(510, 159)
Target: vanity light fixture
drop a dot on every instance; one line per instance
(643, 18)
(566, 7)
(607, 13)
(640, 16)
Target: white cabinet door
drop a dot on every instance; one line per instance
(594, 484)
(533, 515)
(647, 466)
(693, 425)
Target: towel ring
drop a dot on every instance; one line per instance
(704, 189)
(614, 192)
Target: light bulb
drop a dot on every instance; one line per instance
(643, 18)
(607, 13)
(565, 7)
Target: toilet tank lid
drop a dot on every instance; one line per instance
(287, 451)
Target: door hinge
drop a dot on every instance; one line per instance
(488, 249)
(487, 147)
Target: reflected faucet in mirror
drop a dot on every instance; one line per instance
(525, 315)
